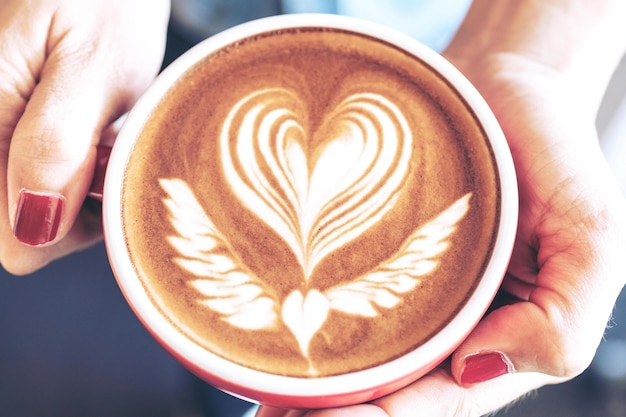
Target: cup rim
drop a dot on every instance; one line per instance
(422, 358)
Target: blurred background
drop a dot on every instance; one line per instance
(70, 346)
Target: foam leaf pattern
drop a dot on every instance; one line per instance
(224, 284)
(384, 286)
(227, 287)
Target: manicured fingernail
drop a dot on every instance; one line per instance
(97, 184)
(482, 367)
(38, 217)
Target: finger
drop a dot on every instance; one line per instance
(523, 337)
(18, 259)
(438, 394)
(50, 166)
(361, 410)
(569, 299)
(52, 152)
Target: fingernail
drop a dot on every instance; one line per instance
(38, 217)
(482, 367)
(97, 184)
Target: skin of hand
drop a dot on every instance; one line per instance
(68, 69)
(543, 66)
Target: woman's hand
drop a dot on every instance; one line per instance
(543, 67)
(68, 69)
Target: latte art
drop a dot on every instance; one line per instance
(246, 302)
(317, 190)
(310, 202)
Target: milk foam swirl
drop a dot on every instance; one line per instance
(318, 190)
(303, 203)
(244, 300)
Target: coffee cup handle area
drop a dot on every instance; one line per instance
(102, 157)
(97, 183)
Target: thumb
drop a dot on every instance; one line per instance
(524, 337)
(52, 151)
(504, 342)
(52, 154)
(565, 303)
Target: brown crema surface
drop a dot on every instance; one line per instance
(449, 158)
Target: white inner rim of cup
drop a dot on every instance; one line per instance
(426, 355)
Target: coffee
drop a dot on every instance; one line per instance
(310, 202)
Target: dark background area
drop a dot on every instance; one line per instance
(70, 346)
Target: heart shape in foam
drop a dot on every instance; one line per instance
(304, 315)
(318, 190)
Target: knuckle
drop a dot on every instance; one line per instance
(47, 148)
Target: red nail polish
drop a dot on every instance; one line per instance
(38, 217)
(482, 367)
(97, 184)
